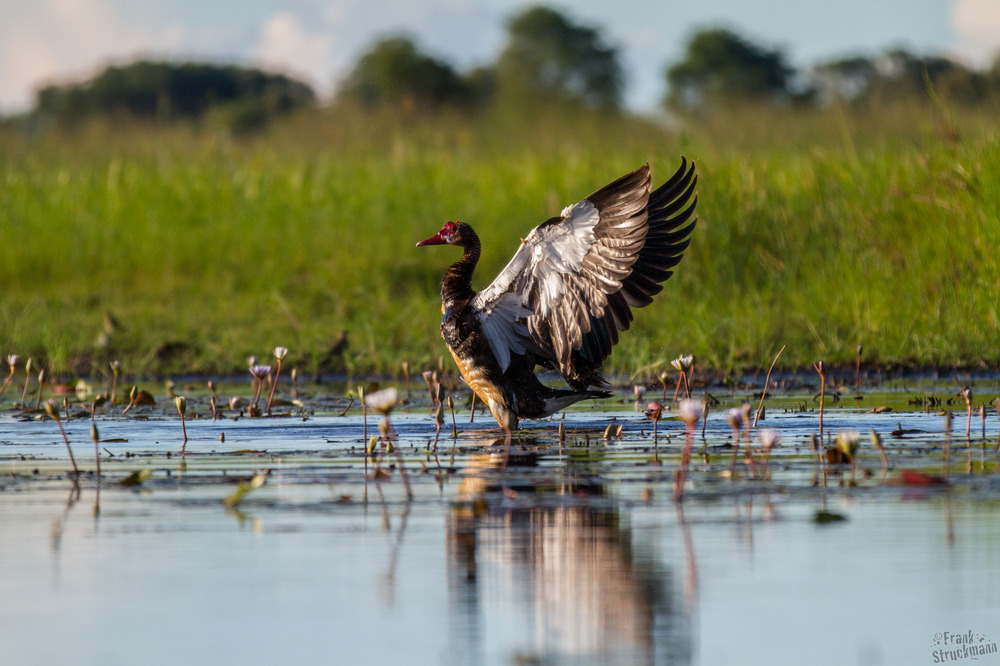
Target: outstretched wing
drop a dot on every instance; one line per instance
(577, 275)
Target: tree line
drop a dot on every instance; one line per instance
(548, 58)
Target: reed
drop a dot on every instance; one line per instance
(786, 211)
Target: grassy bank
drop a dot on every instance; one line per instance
(819, 231)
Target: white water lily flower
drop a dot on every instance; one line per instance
(690, 410)
(683, 363)
(11, 360)
(280, 353)
(735, 417)
(382, 401)
(769, 438)
(848, 441)
(260, 371)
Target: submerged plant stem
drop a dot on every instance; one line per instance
(767, 381)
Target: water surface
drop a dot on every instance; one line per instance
(558, 552)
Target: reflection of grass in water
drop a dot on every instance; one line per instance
(293, 236)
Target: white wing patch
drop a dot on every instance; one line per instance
(559, 249)
(503, 325)
(545, 256)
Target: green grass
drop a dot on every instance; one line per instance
(818, 230)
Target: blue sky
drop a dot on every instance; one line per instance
(318, 40)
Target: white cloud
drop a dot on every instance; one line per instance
(977, 26)
(287, 45)
(43, 41)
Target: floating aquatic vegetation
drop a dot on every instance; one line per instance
(639, 391)
(136, 478)
(848, 441)
(181, 403)
(683, 365)
(244, 488)
(654, 412)
(821, 370)
(406, 377)
(769, 438)
(258, 373)
(279, 354)
(689, 411)
(27, 380)
(877, 443)
(828, 517)
(41, 382)
(735, 418)
(115, 368)
(52, 409)
(12, 362)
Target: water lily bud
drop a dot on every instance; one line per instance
(52, 409)
(876, 439)
(181, 403)
(280, 353)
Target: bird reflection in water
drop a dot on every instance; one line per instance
(558, 555)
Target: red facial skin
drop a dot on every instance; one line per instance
(444, 237)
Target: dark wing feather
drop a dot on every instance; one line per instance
(581, 273)
(669, 210)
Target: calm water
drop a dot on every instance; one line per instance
(560, 553)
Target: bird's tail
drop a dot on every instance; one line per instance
(561, 399)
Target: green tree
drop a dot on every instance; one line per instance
(171, 91)
(907, 76)
(719, 65)
(549, 57)
(394, 72)
(845, 78)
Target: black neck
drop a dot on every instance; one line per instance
(457, 285)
